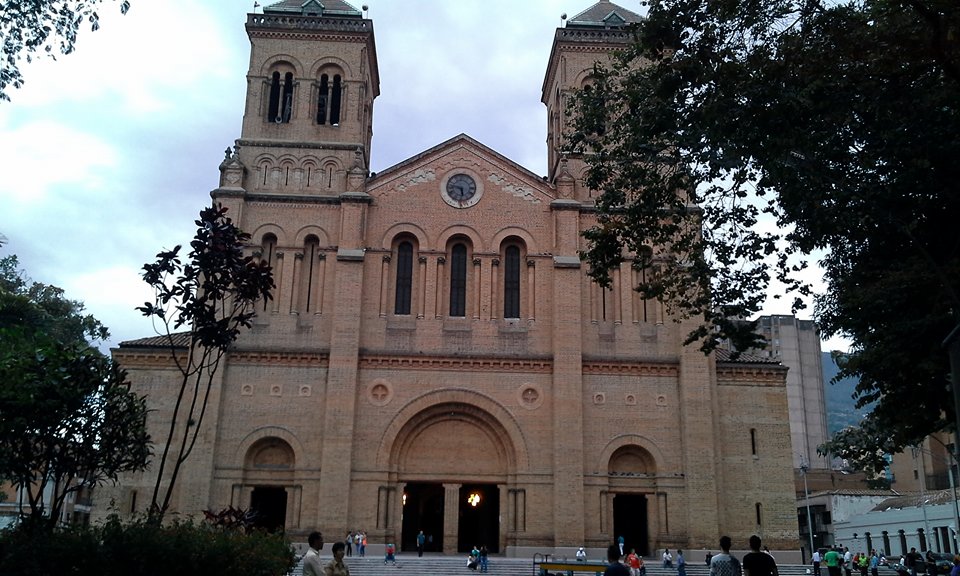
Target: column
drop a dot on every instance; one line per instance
(422, 297)
(451, 516)
(567, 397)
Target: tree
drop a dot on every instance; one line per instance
(212, 296)
(742, 138)
(28, 27)
(68, 419)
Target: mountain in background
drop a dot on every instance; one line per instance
(839, 398)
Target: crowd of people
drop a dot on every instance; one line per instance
(843, 562)
(755, 562)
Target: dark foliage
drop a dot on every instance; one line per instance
(742, 138)
(143, 548)
(211, 295)
(68, 419)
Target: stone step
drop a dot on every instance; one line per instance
(440, 565)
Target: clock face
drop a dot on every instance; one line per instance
(461, 188)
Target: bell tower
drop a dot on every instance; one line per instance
(312, 81)
(590, 36)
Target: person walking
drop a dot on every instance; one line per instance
(336, 567)
(614, 567)
(681, 564)
(833, 560)
(311, 560)
(816, 562)
(757, 563)
(421, 540)
(723, 564)
(483, 558)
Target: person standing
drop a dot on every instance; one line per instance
(816, 562)
(681, 564)
(667, 558)
(483, 558)
(848, 561)
(614, 567)
(757, 563)
(311, 560)
(336, 567)
(349, 543)
(723, 564)
(874, 563)
(421, 540)
(833, 560)
(913, 561)
(633, 562)
(620, 543)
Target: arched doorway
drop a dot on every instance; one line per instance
(452, 459)
(630, 471)
(267, 471)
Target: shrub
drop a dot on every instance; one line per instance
(181, 548)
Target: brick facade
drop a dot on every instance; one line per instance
(579, 417)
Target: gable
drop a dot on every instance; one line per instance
(492, 173)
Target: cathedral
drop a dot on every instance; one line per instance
(435, 356)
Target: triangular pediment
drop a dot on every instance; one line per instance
(503, 179)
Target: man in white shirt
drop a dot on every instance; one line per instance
(311, 560)
(816, 563)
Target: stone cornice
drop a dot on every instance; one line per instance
(271, 23)
(292, 199)
(751, 374)
(305, 145)
(279, 358)
(660, 369)
(149, 358)
(495, 364)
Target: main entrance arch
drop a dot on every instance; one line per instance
(452, 456)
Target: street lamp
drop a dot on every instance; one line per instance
(806, 497)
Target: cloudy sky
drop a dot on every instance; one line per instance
(109, 153)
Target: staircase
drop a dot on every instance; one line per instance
(441, 565)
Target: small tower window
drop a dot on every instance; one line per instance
(329, 96)
(287, 111)
(273, 109)
(280, 104)
(323, 99)
(335, 102)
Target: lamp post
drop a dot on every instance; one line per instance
(806, 497)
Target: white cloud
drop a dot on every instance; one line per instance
(43, 155)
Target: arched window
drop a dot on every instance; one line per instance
(311, 250)
(404, 279)
(273, 108)
(280, 106)
(268, 252)
(323, 99)
(287, 105)
(511, 282)
(335, 101)
(458, 280)
(328, 99)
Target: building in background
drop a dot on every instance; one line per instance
(796, 344)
